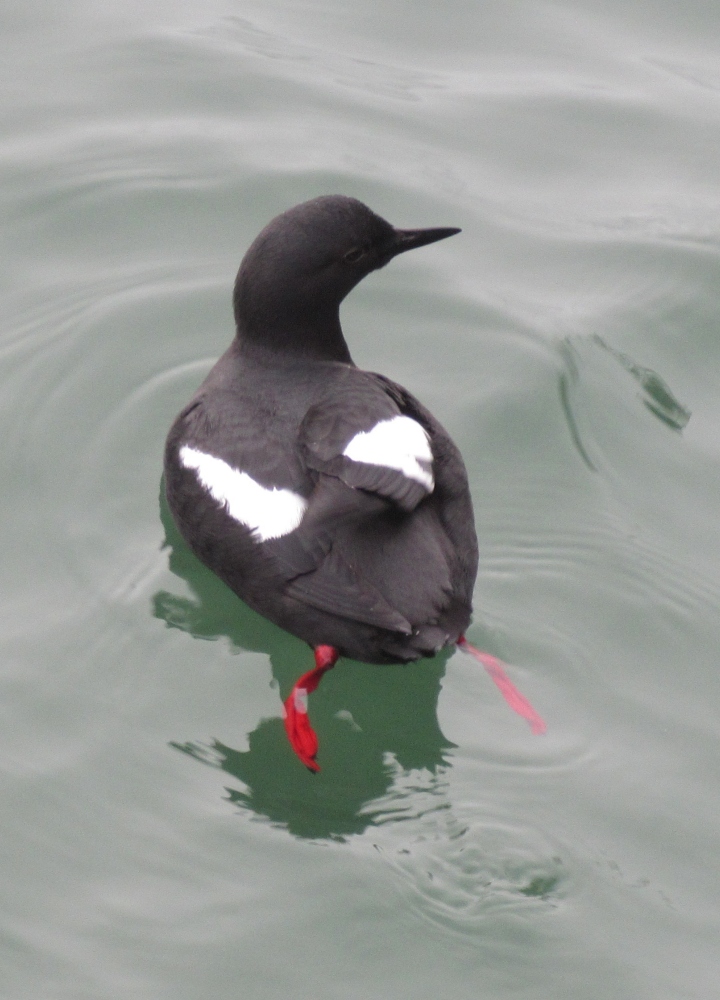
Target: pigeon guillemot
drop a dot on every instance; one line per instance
(327, 498)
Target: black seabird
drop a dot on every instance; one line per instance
(327, 498)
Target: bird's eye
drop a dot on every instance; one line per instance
(354, 255)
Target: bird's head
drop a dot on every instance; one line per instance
(302, 265)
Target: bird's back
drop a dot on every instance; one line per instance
(341, 551)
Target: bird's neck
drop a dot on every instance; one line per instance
(314, 337)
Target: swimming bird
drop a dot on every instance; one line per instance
(326, 497)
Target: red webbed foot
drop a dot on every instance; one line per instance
(517, 702)
(297, 725)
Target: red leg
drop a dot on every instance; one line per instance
(517, 702)
(297, 725)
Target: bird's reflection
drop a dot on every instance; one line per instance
(370, 720)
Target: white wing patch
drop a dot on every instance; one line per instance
(268, 513)
(399, 443)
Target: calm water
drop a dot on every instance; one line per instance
(160, 841)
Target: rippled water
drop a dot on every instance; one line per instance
(160, 840)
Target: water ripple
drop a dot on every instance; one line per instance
(461, 872)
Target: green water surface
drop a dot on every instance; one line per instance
(159, 839)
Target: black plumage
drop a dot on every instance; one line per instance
(381, 559)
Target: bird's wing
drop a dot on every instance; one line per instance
(244, 436)
(451, 484)
(362, 437)
(334, 587)
(317, 570)
(369, 457)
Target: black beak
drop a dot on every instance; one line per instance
(410, 239)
